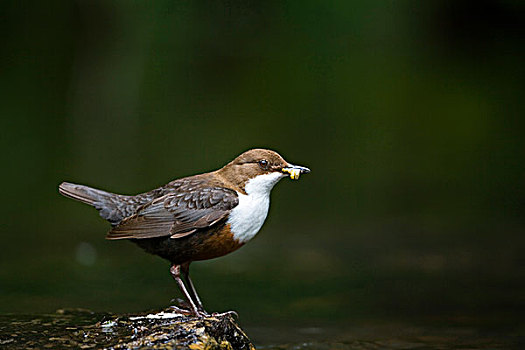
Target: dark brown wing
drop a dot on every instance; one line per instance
(177, 214)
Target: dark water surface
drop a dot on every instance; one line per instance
(393, 336)
(85, 329)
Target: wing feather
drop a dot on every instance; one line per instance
(178, 214)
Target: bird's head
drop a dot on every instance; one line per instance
(258, 170)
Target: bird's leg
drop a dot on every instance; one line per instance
(185, 270)
(175, 271)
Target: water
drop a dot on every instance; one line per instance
(398, 336)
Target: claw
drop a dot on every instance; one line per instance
(181, 311)
(188, 312)
(226, 313)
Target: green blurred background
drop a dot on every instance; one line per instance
(409, 113)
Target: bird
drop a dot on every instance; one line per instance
(194, 218)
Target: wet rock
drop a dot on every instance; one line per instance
(81, 329)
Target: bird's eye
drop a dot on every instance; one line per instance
(263, 163)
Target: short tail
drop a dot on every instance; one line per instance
(105, 202)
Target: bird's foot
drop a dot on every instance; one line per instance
(181, 311)
(186, 309)
(226, 313)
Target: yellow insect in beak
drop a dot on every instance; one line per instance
(295, 171)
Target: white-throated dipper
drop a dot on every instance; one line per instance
(195, 218)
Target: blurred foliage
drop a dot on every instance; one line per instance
(410, 115)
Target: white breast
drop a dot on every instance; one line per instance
(247, 218)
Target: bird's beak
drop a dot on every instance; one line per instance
(295, 171)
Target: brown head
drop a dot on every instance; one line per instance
(263, 168)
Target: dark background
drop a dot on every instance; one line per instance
(409, 113)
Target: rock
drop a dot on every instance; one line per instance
(158, 330)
